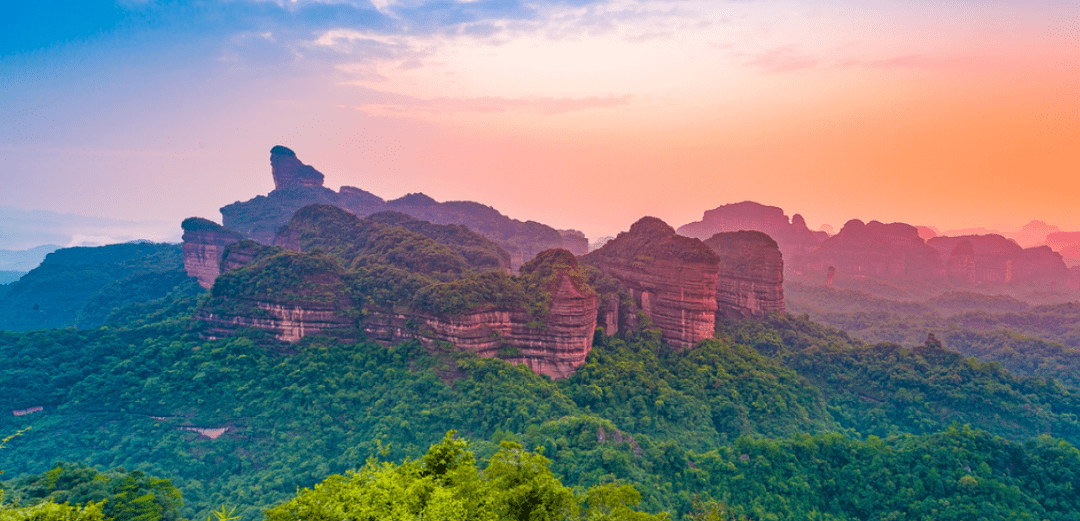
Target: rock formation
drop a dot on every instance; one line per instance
(575, 242)
(881, 250)
(672, 278)
(204, 245)
(302, 287)
(555, 346)
(793, 237)
(298, 185)
(993, 259)
(751, 277)
(289, 172)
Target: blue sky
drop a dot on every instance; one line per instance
(582, 115)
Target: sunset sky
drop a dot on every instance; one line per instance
(578, 114)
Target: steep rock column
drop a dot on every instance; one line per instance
(751, 277)
(204, 244)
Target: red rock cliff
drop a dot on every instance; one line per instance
(290, 172)
(673, 278)
(751, 277)
(882, 250)
(554, 346)
(792, 236)
(204, 244)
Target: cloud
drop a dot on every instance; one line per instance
(390, 102)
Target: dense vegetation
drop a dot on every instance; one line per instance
(744, 419)
(778, 418)
(81, 286)
(389, 261)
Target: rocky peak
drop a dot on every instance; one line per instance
(751, 278)
(204, 244)
(673, 279)
(289, 172)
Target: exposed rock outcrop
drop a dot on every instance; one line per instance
(751, 277)
(793, 236)
(204, 245)
(882, 250)
(575, 242)
(289, 172)
(304, 285)
(672, 278)
(978, 259)
(298, 185)
(554, 346)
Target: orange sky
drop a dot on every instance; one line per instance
(580, 116)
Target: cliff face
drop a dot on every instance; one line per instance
(673, 279)
(751, 277)
(882, 250)
(997, 260)
(555, 346)
(575, 242)
(792, 236)
(204, 245)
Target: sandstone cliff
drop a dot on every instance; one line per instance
(393, 277)
(882, 250)
(792, 236)
(204, 245)
(673, 279)
(751, 277)
(993, 259)
(575, 242)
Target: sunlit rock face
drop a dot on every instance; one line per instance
(554, 346)
(792, 236)
(672, 278)
(881, 250)
(204, 244)
(289, 172)
(751, 277)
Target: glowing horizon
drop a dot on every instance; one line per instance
(584, 115)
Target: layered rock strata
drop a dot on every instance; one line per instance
(672, 278)
(751, 277)
(204, 245)
(555, 346)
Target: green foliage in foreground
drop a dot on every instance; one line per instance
(447, 485)
(117, 494)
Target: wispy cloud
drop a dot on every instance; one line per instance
(383, 102)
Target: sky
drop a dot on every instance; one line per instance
(578, 113)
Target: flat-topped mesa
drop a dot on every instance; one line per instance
(672, 278)
(977, 259)
(554, 344)
(204, 244)
(289, 172)
(751, 278)
(993, 259)
(882, 250)
(793, 236)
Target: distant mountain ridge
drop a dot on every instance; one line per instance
(297, 185)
